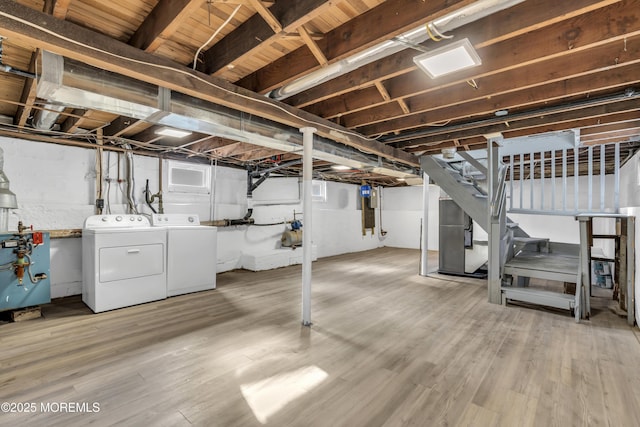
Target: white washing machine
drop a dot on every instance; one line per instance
(191, 253)
(123, 262)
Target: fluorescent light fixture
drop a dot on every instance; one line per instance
(453, 57)
(172, 132)
(341, 167)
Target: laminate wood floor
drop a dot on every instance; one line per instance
(387, 348)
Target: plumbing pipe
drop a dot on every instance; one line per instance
(212, 193)
(307, 258)
(159, 193)
(149, 200)
(130, 181)
(9, 69)
(381, 231)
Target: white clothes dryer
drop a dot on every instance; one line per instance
(191, 253)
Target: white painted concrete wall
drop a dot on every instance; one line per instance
(55, 187)
(402, 216)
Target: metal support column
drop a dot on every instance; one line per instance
(307, 207)
(424, 242)
(495, 235)
(585, 266)
(631, 270)
(616, 178)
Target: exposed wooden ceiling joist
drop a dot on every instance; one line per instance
(584, 117)
(541, 61)
(101, 51)
(255, 32)
(165, 18)
(381, 23)
(561, 38)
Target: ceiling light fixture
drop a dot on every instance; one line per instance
(341, 167)
(448, 59)
(172, 132)
(456, 19)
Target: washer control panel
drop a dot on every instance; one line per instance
(116, 221)
(174, 220)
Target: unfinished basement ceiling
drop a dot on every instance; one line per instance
(546, 66)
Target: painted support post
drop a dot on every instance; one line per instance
(616, 179)
(585, 265)
(631, 270)
(307, 176)
(495, 232)
(424, 242)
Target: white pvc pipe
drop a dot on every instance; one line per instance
(424, 244)
(307, 176)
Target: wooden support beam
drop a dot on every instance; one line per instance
(590, 116)
(94, 49)
(73, 121)
(163, 21)
(247, 2)
(487, 34)
(211, 144)
(120, 126)
(582, 75)
(389, 19)
(233, 149)
(60, 8)
(383, 91)
(585, 72)
(266, 15)
(28, 96)
(404, 106)
(313, 46)
(148, 135)
(253, 33)
(259, 154)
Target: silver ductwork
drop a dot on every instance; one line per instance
(77, 85)
(46, 118)
(7, 198)
(448, 22)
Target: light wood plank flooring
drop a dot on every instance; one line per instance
(387, 348)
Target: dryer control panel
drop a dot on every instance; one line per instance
(117, 221)
(174, 220)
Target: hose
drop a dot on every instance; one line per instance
(147, 199)
(130, 181)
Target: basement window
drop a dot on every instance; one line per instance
(319, 191)
(189, 178)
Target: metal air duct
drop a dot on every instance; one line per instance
(7, 198)
(81, 86)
